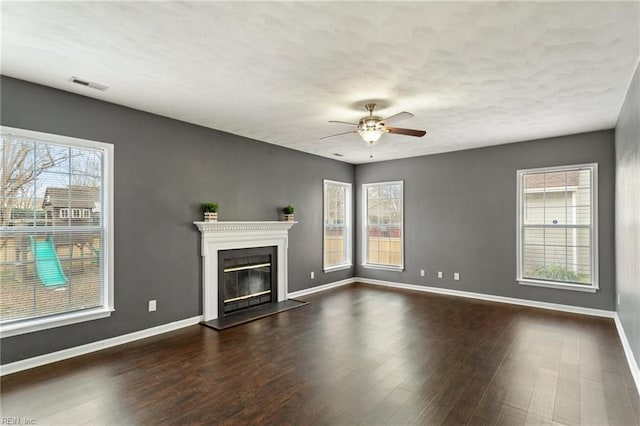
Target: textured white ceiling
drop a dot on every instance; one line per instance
(474, 74)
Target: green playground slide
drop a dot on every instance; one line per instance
(47, 262)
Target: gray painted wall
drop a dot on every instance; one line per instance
(164, 169)
(628, 215)
(460, 216)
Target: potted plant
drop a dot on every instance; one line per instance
(210, 211)
(288, 213)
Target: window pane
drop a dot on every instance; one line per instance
(533, 181)
(56, 273)
(383, 230)
(555, 215)
(555, 236)
(534, 216)
(555, 180)
(582, 237)
(334, 253)
(582, 215)
(52, 158)
(85, 163)
(558, 203)
(337, 244)
(533, 256)
(534, 236)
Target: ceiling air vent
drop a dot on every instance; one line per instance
(87, 83)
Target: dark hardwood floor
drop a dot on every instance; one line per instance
(355, 355)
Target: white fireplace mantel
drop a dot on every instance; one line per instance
(218, 236)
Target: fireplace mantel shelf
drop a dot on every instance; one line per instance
(263, 225)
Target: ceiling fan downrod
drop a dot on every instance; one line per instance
(370, 108)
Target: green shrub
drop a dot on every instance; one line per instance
(554, 273)
(289, 209)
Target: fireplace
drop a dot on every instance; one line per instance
(248, 278)
(229, 236)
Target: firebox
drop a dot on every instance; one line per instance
(248, 278)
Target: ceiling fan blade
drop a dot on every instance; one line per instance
(343, 122)
(339, 134)
(398, 117)
(407, 132)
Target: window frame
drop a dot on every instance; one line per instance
(348, 225)
(64, 213)
(18, 327)
(365, 223)
(593, 228)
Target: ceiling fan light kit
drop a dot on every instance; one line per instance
(371, 128)
(370, 136)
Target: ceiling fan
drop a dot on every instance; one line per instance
(371, 127)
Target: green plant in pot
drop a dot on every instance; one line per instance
(210, 211)
(288, 213)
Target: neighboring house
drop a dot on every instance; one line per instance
(70, 206)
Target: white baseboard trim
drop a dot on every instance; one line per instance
(37, 361)
(319, 288)
(633, 365)
(492, 298)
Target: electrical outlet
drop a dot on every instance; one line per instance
(440, 275)
(152, 305)
(422, 272)
(313, 275)
(456, 276)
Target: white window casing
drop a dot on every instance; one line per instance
(57, 237)
(557, 227)
(337, 225)
(383, 225)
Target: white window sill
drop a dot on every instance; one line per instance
(37, 324)
(558, 285)
(338, 267)
(383, 267)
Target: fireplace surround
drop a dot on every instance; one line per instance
(217, 236)
(247, 278)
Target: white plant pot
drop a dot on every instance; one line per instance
(210, 217)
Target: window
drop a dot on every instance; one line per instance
(383, 224)
(557, 232)
(54, 270)
(86, 213)
(337, 225)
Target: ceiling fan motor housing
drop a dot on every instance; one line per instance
(371, 128)
(371, 124)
